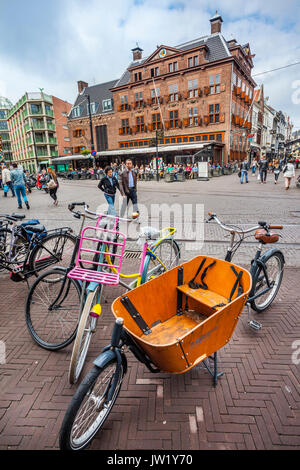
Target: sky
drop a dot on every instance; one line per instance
(52, 44)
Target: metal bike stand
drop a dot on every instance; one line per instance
(213, 371)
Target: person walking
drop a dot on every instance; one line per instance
(288, 172)
(128, 187)
(244, 171)
(263, 168)
(18, 180)
(276, 170)
(6, 180)
(253, 167)
(109, 185)
(52, 185)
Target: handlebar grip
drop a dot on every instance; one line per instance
(78, 203)
(279, 227)
(116, 334)
(210, 213)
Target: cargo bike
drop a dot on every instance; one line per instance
(171, 324)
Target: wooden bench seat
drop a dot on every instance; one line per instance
(205, 297)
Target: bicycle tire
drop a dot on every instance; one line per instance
(19, 243)
(86, 327)
(38, 261)
(42, 282)
(259, 281)
(172, 246)
(88, 389)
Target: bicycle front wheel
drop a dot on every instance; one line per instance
(56, 248)
(274, 268)
(53, 309)
(86, 328)
(89, 407)
(166, 251)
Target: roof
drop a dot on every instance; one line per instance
(217, 49)
(98, 93)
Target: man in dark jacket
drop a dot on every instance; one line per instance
(244, 171)
(263, 168)
(128, 187)
(109, 185)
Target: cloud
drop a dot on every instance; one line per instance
(64, 41)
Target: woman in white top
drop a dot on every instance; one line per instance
(288, 173)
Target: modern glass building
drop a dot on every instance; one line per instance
(32, 130)
(5, 153)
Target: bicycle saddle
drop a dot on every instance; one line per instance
(18, 216)
(150, 233)
(35, 228)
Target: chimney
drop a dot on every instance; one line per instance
(137, 53)
(216, 23)
(81, 85)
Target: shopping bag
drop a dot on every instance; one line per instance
(6, 188)
(258, 177)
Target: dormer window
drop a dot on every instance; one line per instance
(94, 107)
(107, 105)
(76, 112)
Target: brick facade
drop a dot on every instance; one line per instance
(61, 110)
(182, 90)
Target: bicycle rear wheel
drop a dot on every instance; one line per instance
(89, 407)
(56, 248)
(53, 309)
(86, 328)
(274, 266)
(167, 251)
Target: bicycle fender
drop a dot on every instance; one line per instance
(104, 358)
(269, 253)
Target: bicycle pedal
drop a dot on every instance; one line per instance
(255, 325)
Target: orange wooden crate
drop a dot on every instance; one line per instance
(177, 342)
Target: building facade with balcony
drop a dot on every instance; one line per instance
(198, 93)
(5, 144)
(32, 125)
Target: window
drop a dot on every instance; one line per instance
(174, 119)
(173, 92)
(2, 114)
(212, 137)
(214, 83)
(239, 82)
(140, 124)
(76, 112)
(64, 114)
(78, 133)
(193, 88)
(156, 122)
(124, 99)
(139, 98)
(137, 76)
(214, 113)
(193, 61)
(154, 95)
(173, 67)
(3, 125)
(67, 139)
(125, 126)
(154, 72)
(234, 78)
(67, 150)
(107, 105)
(193, 116)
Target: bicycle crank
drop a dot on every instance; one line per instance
(255, 325)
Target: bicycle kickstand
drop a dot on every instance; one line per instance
(255, 325)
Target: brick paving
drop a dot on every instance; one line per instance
(255, 405)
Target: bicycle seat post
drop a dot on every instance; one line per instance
(116, 334)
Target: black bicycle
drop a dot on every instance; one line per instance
(266, 267)
(28, 248)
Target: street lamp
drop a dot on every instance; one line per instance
(91, 125)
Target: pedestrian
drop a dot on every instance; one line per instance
(18, 180)
(276, 171)
(263, 168)
(288, 172)
(52, 185)
(109, 185)
(128, 187)
(6, 180)
(244, 171)
(253, 167)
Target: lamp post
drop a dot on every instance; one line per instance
(91, 125)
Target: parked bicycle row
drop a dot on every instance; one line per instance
(163, 317)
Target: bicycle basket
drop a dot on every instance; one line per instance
(99, 256)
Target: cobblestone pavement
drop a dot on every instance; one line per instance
(256, 402)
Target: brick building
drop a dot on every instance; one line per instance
(199, 93)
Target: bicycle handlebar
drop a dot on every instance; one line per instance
(96, 215)
(228, 228)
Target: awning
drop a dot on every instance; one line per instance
(70, 157)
